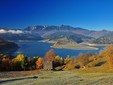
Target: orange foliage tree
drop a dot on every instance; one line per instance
(49, 60)
(39, 63)
(50, 56)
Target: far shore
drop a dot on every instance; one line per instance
(73, 47)
(76, 48)
(47, 41)
(90, 44)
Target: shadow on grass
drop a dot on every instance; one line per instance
(10, 80)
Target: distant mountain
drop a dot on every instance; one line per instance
(47, 30)
(107, 39)
(20, 37)
(40, 32)
(97, 34)
(75, 37)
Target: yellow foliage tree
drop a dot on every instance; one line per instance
(20, 57)
(19, 62)
(58, 61)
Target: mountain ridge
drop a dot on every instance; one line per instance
(40, 32)
(76, 30)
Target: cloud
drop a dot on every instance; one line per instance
(11, 31)
(2, 31)
(15, 31)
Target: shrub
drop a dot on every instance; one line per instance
(67, 60)
(83, 60)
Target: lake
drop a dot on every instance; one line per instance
(32, 49)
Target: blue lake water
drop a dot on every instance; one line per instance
(32, 49)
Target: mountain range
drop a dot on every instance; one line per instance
(40, 32)
(47, 30)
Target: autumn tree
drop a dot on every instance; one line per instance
(58, 61)
(18, 63)
(5, 66)
(49, 60)
(39, 63)
(50, 56)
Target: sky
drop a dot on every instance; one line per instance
(88, 14)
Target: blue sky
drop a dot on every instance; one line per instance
(89, 14)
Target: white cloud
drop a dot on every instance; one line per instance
(11, 31)
(2, 31)
(15, 31)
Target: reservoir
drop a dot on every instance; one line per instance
(32, 49)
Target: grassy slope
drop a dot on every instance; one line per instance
(66, 78)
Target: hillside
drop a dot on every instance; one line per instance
(75, 37)
(69, 44)
(20, 37)
(6, 46)
(107, 39)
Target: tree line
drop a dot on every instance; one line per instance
(51, 61)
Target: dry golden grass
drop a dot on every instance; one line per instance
(66, 78)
